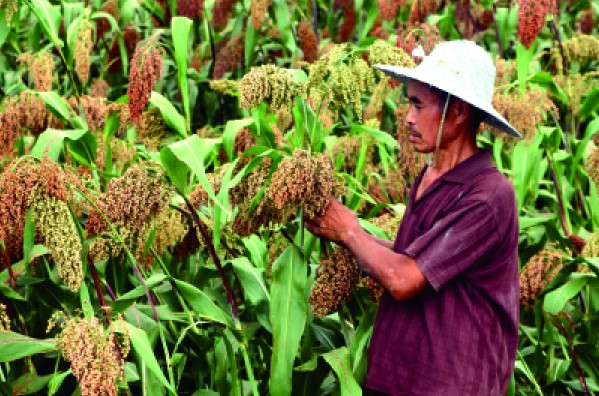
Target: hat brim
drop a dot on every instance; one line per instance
(492, 117)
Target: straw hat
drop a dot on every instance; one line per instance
(462, 69)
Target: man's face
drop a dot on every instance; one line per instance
(423, 117)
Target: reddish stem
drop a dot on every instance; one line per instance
(219, 267)
(98, 286)
(11, 274)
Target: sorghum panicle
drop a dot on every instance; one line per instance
(83, 49)
(95, 110)
(95, 354)
(304, 180)
(99, 88)
(41, 67)
(410, 37)
(586, 21)
(591, 249)
(258, 11)
(538, 273)
(225, 87)
(229, 57)
(349, 22)
(581, 49)
(337, 276)
(270, 84)
(308, 41)
(4, 319)
(592, 165)
(348, 148)
(146, 69)
(130, 38)
(153, 129)
(525, 111)
(531, 19)
(421, 9)
(190, 8)
(221, 12)
(11, 7)
(59, 233)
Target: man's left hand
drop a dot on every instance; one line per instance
(335, 224)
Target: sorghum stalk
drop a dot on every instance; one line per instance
(214, 255)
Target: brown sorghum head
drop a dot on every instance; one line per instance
(41, 68)
(229, 57)
(591, 165)
(96, 354)
(190, 8)
(95, 110)
(349, 22)
(308, 41)
(171, 228)
(146, 69)
(409, 37)
(221, 12)
(258, 11)
(388, 9)
(270, 84)
(103, 24)
(133, 199)
(17, 185)
(99, 88)
(83, 49)
(586, 21)
(421, 9)
(337, 276)
(531, 19)
(374, 289)
(304, 180)
(525, 111)
(538, 273)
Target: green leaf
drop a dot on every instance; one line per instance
(124, 301)
(7, 292)
(141, 345)
(29, 383)
(50, 142)
(590, 104)
(288, 313)
(255, 289)
(380, 136)
(56, 382)
(180, 27)
(49, 17)
(202, 305)
(556, 300)
(176, 170)
(14, 346)
(230, 132)
(339, 361)
(57, 104)
(169, 113)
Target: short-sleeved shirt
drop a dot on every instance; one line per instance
(459, 335)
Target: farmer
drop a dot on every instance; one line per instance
(447, 323)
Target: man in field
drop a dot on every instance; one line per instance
(448, 321)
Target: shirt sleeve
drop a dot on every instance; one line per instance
(455, 243)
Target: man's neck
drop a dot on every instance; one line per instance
(456, 152)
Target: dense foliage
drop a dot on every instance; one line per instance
(158, 157)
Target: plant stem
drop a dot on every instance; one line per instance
(215, 258)
(497, 36)
(11, 274)
(249, 369)
(560, 45)
(99, 291)
(558, 193)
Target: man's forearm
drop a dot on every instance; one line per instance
(395, 272)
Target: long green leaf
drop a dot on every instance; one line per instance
(50, 143)
(202, 305)
(180, 27)
(339, 361)
(49, 18)
(288, 313)
(169, 113)
(557, 299)
(255, 289)
(14, 346)
(141, 345)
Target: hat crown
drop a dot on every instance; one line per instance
(467, 65)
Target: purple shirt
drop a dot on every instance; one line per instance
(459, 335)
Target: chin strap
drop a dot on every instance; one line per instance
(433, 160)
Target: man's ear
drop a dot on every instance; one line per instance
(461, 111)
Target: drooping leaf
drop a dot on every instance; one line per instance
(170, 114)
(202, 305)
(557, 299)
(339, 360)
(14, 346)
(50, 143)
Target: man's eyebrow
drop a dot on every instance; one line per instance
(414, 99)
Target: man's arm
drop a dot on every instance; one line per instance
(397, 273)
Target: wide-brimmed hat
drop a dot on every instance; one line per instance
(462, 69)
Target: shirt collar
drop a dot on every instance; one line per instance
(470, 167)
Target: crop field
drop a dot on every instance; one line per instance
(158, 159)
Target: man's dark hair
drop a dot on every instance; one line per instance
(476, 115)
